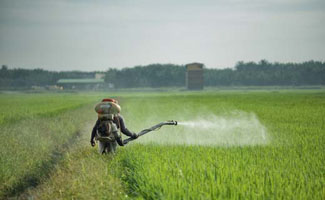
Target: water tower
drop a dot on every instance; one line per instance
(194, 76)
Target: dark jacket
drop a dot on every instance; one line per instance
(119, 121)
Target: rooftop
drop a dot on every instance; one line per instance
(82, 80)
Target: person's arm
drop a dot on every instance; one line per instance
(118, 138)
(93, 133)
(124, 130)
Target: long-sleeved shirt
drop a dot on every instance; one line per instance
(119, 121)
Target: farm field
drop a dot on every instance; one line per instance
(228, 145)
(34, 127)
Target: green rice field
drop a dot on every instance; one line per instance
(245, 144)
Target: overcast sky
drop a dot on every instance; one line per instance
(96, 35)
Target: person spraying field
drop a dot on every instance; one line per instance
(109, 122)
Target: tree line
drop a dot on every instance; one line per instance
(265, 73)
(26, 78)
(262, 73)
(154, 75)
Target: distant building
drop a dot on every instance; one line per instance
(194, 76)
(83, 84)
(99, 76)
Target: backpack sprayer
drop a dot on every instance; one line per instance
(155, 127)
(109, 107)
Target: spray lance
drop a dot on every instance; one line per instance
(155, 127)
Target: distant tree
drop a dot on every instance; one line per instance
(154, 75)
(245, 73)
(4, 68)
(170, 75)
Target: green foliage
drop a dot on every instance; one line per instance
(25, 78)
(182, 172)
(263, 73)
(15, 107)
(290, 166)
(82, 174)
(266, 73)
(244, 74)
(33, 130)
(154, 75)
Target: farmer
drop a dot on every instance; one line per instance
(107, 125)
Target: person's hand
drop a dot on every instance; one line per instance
(92, 143)
(134, 136)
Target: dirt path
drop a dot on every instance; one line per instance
(32, 181)
(29, 181)
(82, 173)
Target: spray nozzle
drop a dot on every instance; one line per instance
(172, 122)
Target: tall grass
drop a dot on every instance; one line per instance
(83, 174)
(289, 166)
(18, 106)
(33, 132)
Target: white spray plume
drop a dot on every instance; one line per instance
(234, 129)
